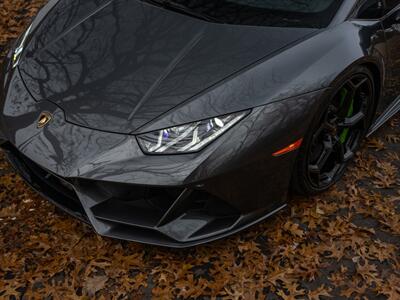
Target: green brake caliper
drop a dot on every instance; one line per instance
(345, 132)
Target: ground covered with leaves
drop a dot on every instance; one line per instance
(343, 244)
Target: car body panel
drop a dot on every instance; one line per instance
(69, 150)
(126, 62)
(284, 75)
(391, 27)
(87, 158)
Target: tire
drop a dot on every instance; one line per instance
(331, 142)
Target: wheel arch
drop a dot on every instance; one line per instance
(378, 74)
(378, 77)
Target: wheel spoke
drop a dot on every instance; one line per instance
(328, 177)
(344, 153)
(348, 155)
(323, 158)
(358, 85)
(352, 121)
(340, 150)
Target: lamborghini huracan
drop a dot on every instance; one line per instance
(176, 123)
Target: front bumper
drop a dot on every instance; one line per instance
(178, 200)
(170, 217)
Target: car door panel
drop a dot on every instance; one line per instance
(391, 25)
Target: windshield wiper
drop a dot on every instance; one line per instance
(183, 9)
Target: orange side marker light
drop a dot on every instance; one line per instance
(296, 145)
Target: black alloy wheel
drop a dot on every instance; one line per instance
(337, 135)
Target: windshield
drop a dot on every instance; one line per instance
(279, 13)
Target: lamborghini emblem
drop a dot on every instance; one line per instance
(44, 119)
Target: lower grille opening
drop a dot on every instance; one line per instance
(56, 189)
(210, 204)
(156, 198)
(204, 215)
(135, 205)
(180, 214)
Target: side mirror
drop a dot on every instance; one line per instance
(371, 9)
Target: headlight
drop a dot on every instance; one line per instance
(20, 48)
(188, 138)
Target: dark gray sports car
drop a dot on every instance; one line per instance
(180, 122)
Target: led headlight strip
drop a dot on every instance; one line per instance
(190, 137)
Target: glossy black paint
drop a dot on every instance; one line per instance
(117, 65)
(108, 70)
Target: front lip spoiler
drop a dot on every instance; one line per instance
(157, 236)
(203, 241)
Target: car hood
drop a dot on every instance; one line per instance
(117, 65)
